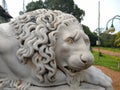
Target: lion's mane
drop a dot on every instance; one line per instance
(36, 32)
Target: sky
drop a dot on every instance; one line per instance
(108, 9)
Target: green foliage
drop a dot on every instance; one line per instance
(34, 5)
(92, 36)
(67, 6)
(107, 40)
(110, 40)
(107, 61)
(63, 5)
(117, 39)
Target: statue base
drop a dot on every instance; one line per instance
(84, 86)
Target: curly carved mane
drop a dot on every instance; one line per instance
(36, 32)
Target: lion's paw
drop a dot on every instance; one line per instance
(95, 76)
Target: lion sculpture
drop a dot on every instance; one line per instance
(46, 48)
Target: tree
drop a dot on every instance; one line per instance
(117, 39)
(93, 36)
(67, 6)
(34, 5)
(107, 40)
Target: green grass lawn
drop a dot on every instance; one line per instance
(111, 49)
(107, 61)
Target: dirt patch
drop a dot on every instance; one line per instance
(115, 76)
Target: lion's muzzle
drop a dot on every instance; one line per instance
(78, 62)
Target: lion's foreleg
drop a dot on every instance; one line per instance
(95, 76)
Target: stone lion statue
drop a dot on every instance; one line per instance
(46, 48)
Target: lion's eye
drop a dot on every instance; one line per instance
(70, 40)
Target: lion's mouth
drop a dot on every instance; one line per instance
(71, 70)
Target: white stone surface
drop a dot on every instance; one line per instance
(47, 48)
(84, 86)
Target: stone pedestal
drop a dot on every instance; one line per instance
(84, 86)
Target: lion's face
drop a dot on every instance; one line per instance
(51, 39)
(72, 49)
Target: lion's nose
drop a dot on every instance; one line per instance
(87, 58)
(84, 61)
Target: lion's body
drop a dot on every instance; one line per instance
(8, 48)
(46, 48)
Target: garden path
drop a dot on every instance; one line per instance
(108, 52)
(115, 75)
